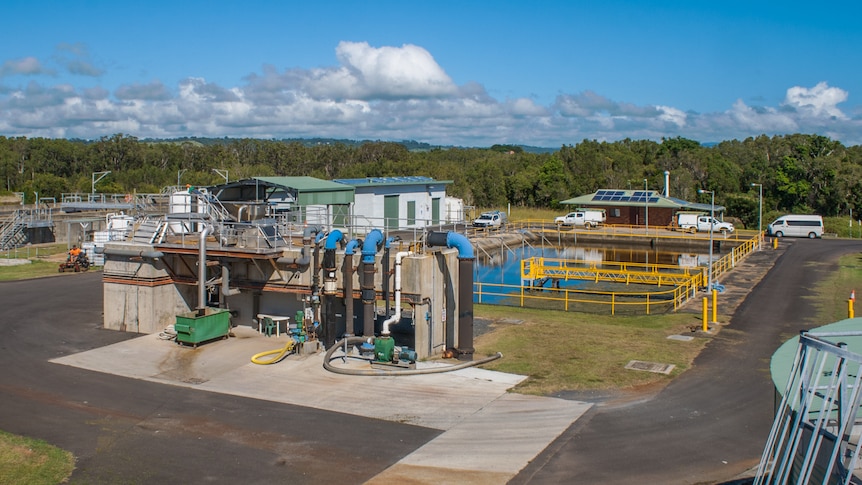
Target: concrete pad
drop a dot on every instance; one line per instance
(511, 430)
(489, 434)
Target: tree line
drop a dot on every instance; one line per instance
(797, 173)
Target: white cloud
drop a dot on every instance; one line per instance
(386, 93)
(672, 115)
(819, 101)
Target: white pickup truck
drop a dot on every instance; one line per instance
(582, 218)
(492, 219)
(694, 222)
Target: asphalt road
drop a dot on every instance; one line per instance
(126, 431)
(707, 426)
(710, 424)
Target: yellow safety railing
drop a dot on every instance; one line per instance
(537, 268)
(687, 282)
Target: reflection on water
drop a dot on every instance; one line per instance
(504, 266)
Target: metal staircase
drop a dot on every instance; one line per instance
(12, 232)
(815, 437)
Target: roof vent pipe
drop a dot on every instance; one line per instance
(666, 183)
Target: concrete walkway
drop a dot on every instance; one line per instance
(471, 406)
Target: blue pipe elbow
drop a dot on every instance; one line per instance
(460, 242)
(318, 238)
(351, 246)
(369, 247)
(333, 239)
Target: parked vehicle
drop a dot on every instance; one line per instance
(491, 219)
(582, 218)
(797, 225)
(699, 221)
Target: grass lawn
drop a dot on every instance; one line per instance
(833, 292)
(32, 462)
(566, 351)
(44, 261)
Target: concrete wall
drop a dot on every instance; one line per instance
(143, 294)
(139, 295)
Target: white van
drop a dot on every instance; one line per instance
(795, 225)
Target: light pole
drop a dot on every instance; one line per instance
(101, 176)
(759, 217)
(223, 173)
(711, 223)
(646, 207)
(180, 174)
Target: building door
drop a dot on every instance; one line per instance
(390, 211)
(435, 210)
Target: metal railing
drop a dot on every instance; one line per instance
(612, 301)
(815, 436)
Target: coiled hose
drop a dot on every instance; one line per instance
(256, 358)
(394, 372)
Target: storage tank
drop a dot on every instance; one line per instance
(183, 203)
(119, 226)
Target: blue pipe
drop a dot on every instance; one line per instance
(369, 247)
(353, 244)
(389, 240)
(319, 236)
(333, 239)
(462, 243)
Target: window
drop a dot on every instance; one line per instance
(615, 212)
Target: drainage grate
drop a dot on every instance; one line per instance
(511, 321)
(650, 367)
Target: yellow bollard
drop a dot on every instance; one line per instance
(850, 311)
(705, 307)
(775, 243)
(714, 305)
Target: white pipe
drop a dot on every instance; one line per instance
(666, 183)
(397, 316)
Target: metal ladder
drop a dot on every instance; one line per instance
(813, 439)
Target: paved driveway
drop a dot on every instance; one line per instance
(710, 424)
(131, 431)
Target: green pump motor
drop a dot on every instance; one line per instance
(384, 347)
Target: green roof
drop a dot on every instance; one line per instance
(623, 198)
(629, 198)
(306, 184)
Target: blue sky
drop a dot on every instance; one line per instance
(468, 73)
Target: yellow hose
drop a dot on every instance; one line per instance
(281, 353)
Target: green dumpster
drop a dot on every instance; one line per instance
(201, 326)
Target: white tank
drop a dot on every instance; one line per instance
(119, 226)
(181, 203)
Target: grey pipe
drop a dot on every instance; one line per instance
(202, 269)
(132, 253)
(407, 372)
(226, 290)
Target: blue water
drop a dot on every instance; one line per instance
(504, 267)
